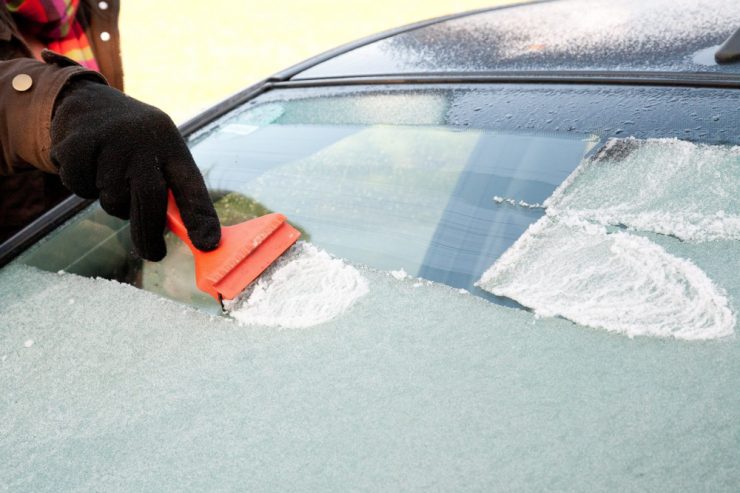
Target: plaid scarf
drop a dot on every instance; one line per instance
(53, 22)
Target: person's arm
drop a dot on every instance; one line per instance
(26, 110)
(111, 146)
(103, 144)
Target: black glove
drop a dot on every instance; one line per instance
(109, 145)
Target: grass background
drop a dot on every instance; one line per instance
(186, 55)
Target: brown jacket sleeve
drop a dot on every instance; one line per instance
(26, 111)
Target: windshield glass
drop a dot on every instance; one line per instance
(435, 184)
(419, 199)
(432, 201)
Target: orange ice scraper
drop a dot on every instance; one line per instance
(245, 251)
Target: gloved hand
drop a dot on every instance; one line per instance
(109, 145)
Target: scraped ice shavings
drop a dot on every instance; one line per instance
(305, 287)
(520, 203)
(666, 186)
(399, 274)
(619, 282)
(567, 264)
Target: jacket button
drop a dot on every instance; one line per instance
(105, 36)
(22, 82)
(103, 5)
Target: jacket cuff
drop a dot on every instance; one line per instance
(29, 92)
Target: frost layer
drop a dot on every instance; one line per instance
(619, 282)
(415, 388)
(619, 27)
(690, 191)
(305, 287)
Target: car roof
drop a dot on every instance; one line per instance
(591, 35)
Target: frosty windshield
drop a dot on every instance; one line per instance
(354, 373)
(437, 185)
(428, 200)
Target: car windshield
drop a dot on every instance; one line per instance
(478, 269)
(434, 183)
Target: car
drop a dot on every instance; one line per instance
(518, 271)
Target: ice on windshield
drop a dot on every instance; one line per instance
(305, 287)
(667, 186)
(592, 260)
(413, 385)
(616, 281)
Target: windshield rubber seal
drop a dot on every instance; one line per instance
(623, 78)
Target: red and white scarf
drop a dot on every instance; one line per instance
(54, 23)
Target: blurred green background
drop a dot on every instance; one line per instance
(186, 55)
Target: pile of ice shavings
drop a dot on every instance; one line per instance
(690, 191)
(305, 287)
(520, 203)
(572, 264)
(619, 282)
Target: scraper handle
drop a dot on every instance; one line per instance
(174, 220)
